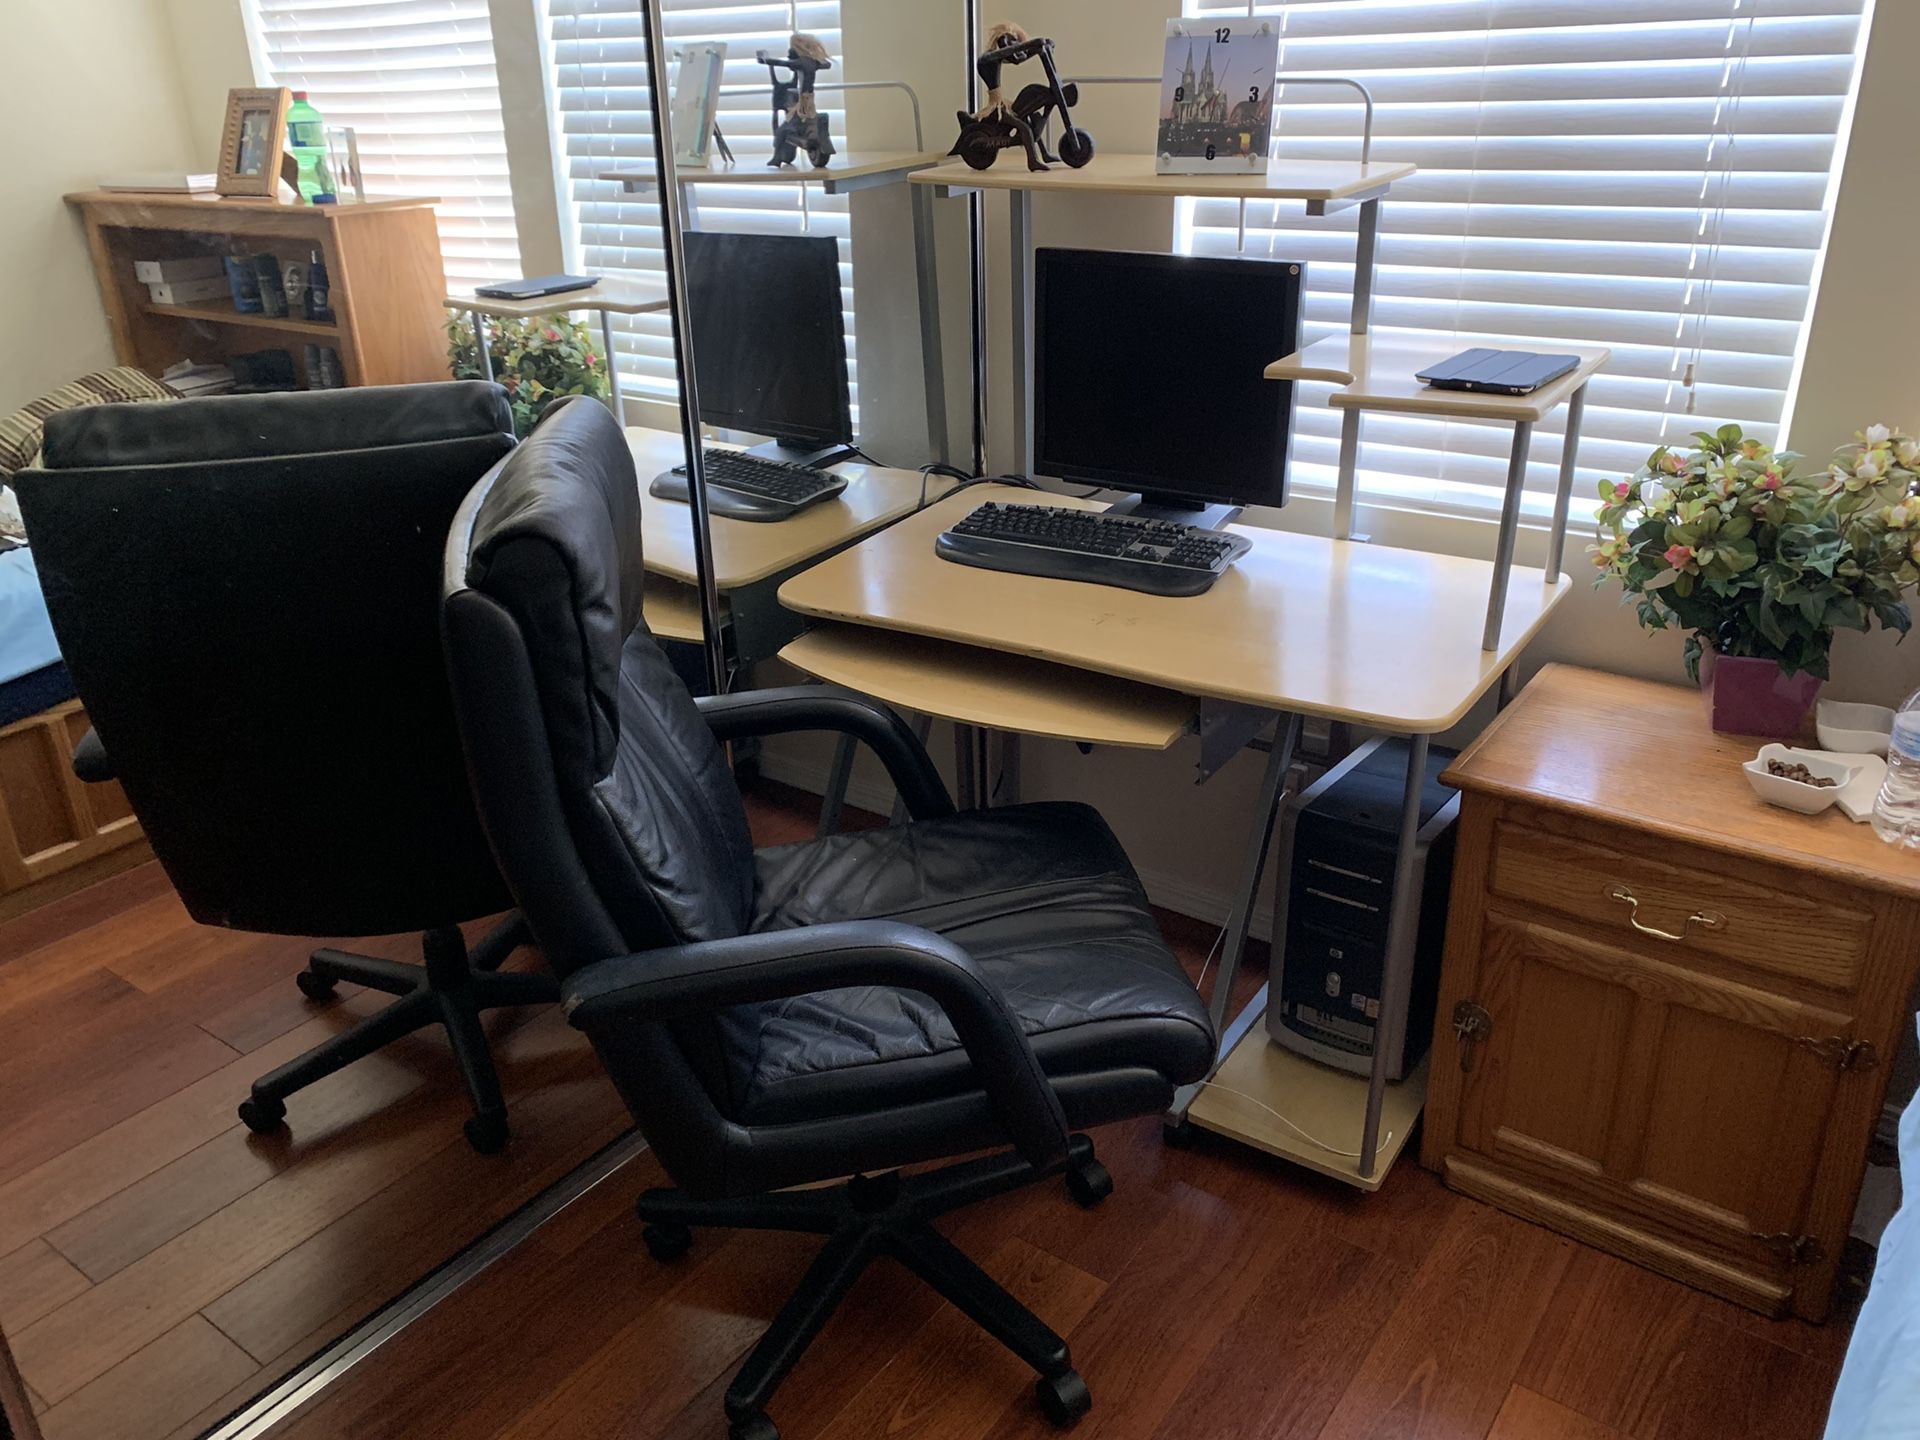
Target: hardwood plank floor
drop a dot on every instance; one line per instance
(158, 1266)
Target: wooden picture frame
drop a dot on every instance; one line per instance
(252, 142)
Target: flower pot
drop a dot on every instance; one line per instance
(1755, 697)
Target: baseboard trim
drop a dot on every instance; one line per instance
(1171, 892)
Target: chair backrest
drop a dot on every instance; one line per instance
(611, 808)
(246, 591)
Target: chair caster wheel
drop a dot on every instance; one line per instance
(317, 987)
(1089, 1184)
(263, 1117)
(754, 1427)
(1180, 1134)
(667, 1243)
(487, 1132)
(1064, 1399)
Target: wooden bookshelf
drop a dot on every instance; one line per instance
(383, 267)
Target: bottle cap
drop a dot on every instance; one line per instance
(299, 94)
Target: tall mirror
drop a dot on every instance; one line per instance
(275, 1059)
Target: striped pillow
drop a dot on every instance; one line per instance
(20, 431)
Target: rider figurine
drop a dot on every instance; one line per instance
(797, 124)
(998, 125)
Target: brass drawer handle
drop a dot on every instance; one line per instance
(1705, 919)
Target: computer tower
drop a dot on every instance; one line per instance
(1326, 997)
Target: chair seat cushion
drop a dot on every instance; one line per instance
(1044, 900)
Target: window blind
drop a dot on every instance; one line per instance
(415, 79)
(1649, 175)
(600, 86)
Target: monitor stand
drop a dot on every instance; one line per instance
(818, 459)
(1177, 511)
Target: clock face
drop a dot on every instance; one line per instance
(1216, 98)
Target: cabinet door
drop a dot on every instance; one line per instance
(1686, 1105)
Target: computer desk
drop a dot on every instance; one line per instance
(1300, 626)
(751, 559)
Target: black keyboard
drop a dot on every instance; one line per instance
(1160, 557)
(751, 487)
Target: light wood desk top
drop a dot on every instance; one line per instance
(1579, 743)
(846, 169)
(1134, 175)
(1378, 374)
(1336, 628)
(974, 686)
(673, 609)
(745, 551)
(614, 293)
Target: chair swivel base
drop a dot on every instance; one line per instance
(884, 1215)
(453, 989)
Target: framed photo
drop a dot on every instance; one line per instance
(696, 100)
(1216, 97)
(252, 141)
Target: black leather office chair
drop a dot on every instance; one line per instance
(844, 1006)
(246, 590)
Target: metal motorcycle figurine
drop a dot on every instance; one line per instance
(998, 126)
(797, 124)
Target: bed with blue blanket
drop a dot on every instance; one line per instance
(32, 678)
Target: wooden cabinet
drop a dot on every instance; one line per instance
(57, 833)
(1666, 1008)
(383, 267)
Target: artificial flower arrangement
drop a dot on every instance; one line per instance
(537, 360)
(1728, 542)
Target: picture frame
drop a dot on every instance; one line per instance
(252, 142)
(696, 100)
(1216, 97)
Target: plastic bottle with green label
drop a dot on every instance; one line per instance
(307, 139)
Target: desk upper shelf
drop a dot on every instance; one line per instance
(1310, 180)
(1377, 373)
(848, 170)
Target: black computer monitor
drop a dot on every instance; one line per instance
(769, 342)
(1148, 375)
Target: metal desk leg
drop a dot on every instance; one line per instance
(614, 402)
(480, 343)
(932, 350)
(1400, 920)
(838, 774)
(1562, 498)
(922, 727)
(1509, 685)
(1267, 811)
(1366, 243)
(1347, 483)
(1020, 224)
(1509, 529)
(963, 782)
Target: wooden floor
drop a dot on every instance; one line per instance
(157, 1265)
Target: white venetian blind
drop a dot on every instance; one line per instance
(600, 87)
(1649, 175)
(415, 79)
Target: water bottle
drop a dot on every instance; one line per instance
(307, 139)
(1896, 809)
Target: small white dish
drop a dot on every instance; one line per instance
(1794, 795)
(1853, 729)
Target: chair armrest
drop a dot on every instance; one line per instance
(785, 709)
(713, 975)
(90, 760)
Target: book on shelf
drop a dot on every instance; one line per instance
(167, 182)
(190, 380)
(188, 292)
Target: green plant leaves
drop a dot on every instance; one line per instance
(537, 360)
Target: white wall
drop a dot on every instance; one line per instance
(90, 89)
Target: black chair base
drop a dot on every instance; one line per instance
(452, 989)
(884, 1215)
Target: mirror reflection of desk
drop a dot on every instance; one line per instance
(752, 559)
